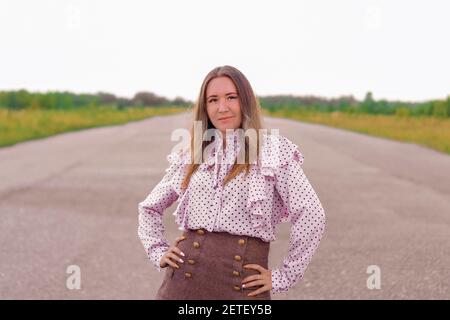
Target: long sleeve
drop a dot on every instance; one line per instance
(151, 210)
(307, 217)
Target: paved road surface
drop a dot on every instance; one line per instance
(72, 199)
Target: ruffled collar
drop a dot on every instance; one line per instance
(273, 147)
(267, 161)
(220, 158)
(218, 154)
(276, 151)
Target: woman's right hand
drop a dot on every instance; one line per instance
(172, 254)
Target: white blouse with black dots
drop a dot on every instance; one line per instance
(276, 190)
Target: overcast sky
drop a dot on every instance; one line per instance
(397, 49)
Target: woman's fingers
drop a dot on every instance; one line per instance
(258, 291)
(170, 259)
(178, 239)
(172, 264)
(255, 266)
(253, 277)
(174, 257)
(254, 283)
(178, 251)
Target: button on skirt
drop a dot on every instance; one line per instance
(213, 267)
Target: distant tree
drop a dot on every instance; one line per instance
(148, 99)
(122, 103)
(106, 98)
(180, 101)
(368, 105)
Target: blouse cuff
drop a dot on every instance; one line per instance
(280, 283)
(156, 254)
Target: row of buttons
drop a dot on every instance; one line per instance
(236, 273)
(196, 245)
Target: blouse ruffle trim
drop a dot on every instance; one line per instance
(277, 151)
(178, 161)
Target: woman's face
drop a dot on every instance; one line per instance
(222, 104)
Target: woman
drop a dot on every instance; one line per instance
(229, 204)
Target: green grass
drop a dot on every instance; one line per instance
(431, 132)
(18, 126)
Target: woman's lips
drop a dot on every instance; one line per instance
(225, 119)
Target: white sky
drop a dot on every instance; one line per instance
(397, 49)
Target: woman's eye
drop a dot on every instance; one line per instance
(213, 100)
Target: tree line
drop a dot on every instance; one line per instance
(437, 108)
(22, 99)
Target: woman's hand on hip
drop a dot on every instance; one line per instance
(263, 279)
(172, 254)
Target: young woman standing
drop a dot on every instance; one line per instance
(228, 209)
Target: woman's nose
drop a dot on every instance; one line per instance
(223, 106)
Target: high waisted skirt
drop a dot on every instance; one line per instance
(213, 267)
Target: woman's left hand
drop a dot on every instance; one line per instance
(263, 279)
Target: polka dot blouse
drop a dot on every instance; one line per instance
(276, 190)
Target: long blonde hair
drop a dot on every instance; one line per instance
(250, 114)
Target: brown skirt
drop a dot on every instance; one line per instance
(213, 267)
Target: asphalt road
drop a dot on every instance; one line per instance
(71, 199)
